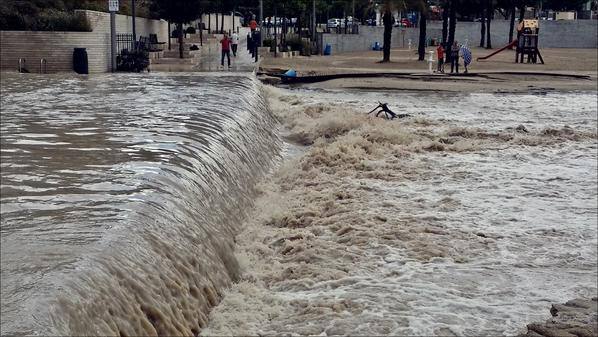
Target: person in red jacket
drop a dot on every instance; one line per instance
(225, 42)
(440, 55)
(253, 24)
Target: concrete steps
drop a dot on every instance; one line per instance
(174, 60)
(172, 67)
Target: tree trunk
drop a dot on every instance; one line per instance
(445, 16)
(483, 25)
(387, 20)
(201, 30)
(209, 23)
(490, 11)
(180, 29)
(421, 49)
(222, 23)
(521, 12)
(216, 23)
(512, 24)
(452, 27)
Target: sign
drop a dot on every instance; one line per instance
(113, 5)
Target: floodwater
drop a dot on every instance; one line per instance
(448, 223)
(121, 195)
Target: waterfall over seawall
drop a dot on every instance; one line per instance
(121, 196)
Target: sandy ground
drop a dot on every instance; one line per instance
(497, 74)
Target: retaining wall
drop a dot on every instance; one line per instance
(57, 47)
(553, 34)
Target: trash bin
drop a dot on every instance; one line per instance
(80, 65)
(328, 49)
(376, 46)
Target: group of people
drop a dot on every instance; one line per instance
(231, 43)
(455, 52)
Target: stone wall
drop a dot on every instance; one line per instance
(57, 47)
(553, 34)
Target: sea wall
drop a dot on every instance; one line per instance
(553, 34)
(57, 47)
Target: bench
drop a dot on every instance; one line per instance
(154, 44)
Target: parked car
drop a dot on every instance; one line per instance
(333, 23)
(404, 22)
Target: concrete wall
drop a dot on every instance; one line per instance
(57, 47)
(100, 22)
(553, 34)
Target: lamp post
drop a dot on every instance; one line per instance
(133, 27)
(113, 8)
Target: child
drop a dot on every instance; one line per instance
(440, 55)
(235, 43)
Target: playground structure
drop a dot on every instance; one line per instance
(526, 43)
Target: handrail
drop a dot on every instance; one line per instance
(43, 66)
(22, 63)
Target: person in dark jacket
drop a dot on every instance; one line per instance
(455, 57)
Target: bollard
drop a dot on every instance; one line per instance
(409, 44)
(430, 61)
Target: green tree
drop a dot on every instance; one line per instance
(179, 12)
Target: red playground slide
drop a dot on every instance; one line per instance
(512, 44)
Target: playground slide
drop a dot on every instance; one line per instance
(512, 44)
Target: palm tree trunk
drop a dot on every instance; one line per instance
(421, 49)
(216, 23)
(180, 31)
(387, 20)
(452, 27)
(521, 11)
(483, 25)
(489, 12)
(445, 16)
(222, 22)
(512, 23)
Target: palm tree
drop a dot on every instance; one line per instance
(388, 21)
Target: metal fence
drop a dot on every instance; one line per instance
(124, 42)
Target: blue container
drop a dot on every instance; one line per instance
(328, 49)
(290, 73)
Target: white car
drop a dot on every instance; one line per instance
(333, 23)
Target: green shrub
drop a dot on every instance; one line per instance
(133, 61)
(294, 42)
(190, 30)
(47, 20)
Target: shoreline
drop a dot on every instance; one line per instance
(406, 73)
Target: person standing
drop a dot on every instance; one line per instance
(235, 43)
(466, 55)
(225, 43)
(440, 55)
(455, 57)
(253, 24)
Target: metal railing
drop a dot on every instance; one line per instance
(22, 64)
(43, 66)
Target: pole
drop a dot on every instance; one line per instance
(275, 45)
(233, 16)
(313, 20)
(169, 46)
(261, 23)
(133, 21)
(113, 40)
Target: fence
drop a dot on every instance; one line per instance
(124, 42)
